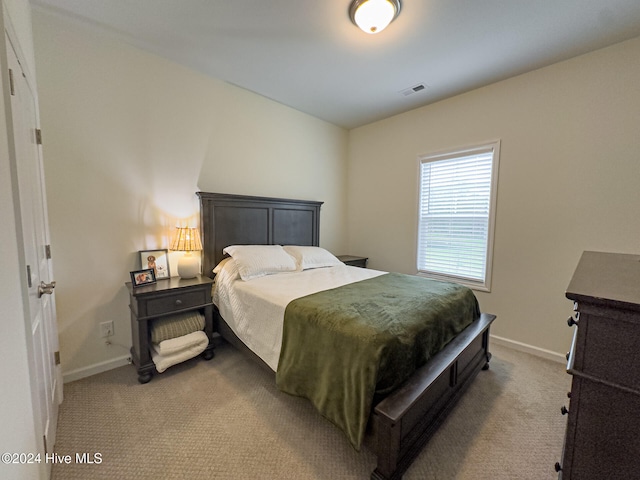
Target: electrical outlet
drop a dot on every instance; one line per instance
(106, 329)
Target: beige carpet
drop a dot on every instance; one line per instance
(225, 419)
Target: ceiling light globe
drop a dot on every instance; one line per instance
(373, 16)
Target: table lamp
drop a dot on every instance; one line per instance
(187, 240)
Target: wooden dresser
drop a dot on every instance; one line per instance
(603, 428)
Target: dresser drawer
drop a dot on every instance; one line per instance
(175, 302)
(602, 439)
(608, 348)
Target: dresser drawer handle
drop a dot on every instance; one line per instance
(178, 302)
(564, 410)
(558, 467)
(572, 321)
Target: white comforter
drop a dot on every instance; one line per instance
(254, 309)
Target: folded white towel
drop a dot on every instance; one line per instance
(175, 350)
(177, 344)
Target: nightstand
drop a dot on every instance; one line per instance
(166, 297)
(353, 261)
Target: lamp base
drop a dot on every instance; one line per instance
(188, 266)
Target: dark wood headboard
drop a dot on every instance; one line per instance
(245, 220)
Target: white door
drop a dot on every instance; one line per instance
(43, 333)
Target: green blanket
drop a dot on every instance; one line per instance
(341, 347)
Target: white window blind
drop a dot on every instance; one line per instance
(455, 231)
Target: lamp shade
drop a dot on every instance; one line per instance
(187, 240)
(373, 16)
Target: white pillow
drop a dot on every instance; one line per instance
(226, 270)
(311, 257)
(218, 268)
(258, 260)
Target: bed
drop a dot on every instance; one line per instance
(402, 421)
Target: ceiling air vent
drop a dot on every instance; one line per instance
(415, 89)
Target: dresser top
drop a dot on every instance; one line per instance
(607, 278)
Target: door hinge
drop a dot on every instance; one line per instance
(11, 84)
(56, 356)
(38, 136)
(47, 251)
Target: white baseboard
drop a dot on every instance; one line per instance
(523, 347)
(126, 359)
(96, 368)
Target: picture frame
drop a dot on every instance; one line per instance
(142, 277)
(158, 260)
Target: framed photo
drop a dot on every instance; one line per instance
(143, 277)
(157, 260)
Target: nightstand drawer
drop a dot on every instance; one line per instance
(172, 303)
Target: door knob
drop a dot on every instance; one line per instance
(46, 288)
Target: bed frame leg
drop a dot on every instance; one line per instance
(485, 346)
(376, 475)
(388, 446)
(486, 365)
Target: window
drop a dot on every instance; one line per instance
(456, 215)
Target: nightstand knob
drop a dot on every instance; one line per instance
(178, 302)
(572, 321)
(564, 410)
(558, 467)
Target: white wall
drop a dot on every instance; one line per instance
(569, 172)
(20, 14)
(19, 432)
(128, 140)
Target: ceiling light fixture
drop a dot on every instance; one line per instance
(373, 16)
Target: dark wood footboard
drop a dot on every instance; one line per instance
(404, 421)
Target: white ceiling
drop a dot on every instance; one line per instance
(308, 55)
